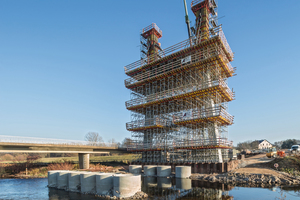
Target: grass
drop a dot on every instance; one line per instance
(115, 158)
(62, 163)
(289, 164)
(56, 159)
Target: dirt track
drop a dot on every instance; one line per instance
(252, 171)
(257, 165)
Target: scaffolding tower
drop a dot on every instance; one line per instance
(179, 95)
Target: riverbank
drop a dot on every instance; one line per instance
(249, 179)
(255, 171)
(259, 171)
(38, 170)
(20, 176)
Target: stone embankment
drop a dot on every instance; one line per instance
(247, 179)
(138, 195)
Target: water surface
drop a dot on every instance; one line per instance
(156, 188)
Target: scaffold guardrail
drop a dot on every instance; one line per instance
(210, 114)
(168, 68)
(217, 32)
(148, 123)
(218, 142)
(224, 40)
(196, 2)
(177, 92)
(151, 26)
(183, 144)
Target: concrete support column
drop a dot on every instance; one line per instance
(201, 168)
(220, 167)
(84, 160)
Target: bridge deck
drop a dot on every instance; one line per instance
(11, 147)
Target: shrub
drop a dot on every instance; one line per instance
(8, 157)
(61, 166)
(20, 157)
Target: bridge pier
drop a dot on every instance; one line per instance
(84, 160)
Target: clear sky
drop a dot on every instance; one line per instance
(61, 64)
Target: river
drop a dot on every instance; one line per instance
(156, 188)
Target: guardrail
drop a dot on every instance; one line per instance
(215, 32)
(167, 68)
(195, 2)
(152, 122)
(178, 91)
(33, 140)
(203, 143)
(195, 114)
(210, 142)
(151, 26)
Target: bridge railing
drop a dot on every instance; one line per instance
(33, 140)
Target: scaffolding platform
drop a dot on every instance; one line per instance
(180, 94)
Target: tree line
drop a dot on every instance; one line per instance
(284, 144)
(94, 138)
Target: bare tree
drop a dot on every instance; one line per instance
(112, 142)
(126, 142)
(93, 138)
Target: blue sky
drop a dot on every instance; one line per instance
(61, 64)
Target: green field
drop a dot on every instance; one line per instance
(114, 158)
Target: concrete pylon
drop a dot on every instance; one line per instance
(84, 160)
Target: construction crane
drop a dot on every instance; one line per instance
(187, 21)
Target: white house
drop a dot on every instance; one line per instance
(264, 144)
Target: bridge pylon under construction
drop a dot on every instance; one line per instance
(179, 95)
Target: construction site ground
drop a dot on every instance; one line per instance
(258, 164)
(259, 171)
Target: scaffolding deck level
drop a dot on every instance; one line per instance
(226, 94)
(140, 65)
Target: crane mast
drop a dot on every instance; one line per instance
(187, 21)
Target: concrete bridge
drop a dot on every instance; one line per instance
(15, 144)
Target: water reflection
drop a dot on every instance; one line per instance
(171, 188)
(55, 194)
(164, 183)
(148, 182)
(183, 184)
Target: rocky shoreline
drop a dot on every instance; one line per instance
(22, 176)
(138, 195)
(248, 179)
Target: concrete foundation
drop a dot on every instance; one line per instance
(135, 169)
(183, 171)
(150, 170)
(183, 184)
(104, 183)
(52, 178)
(126, 185)
(62, 180)
(88, 182)
(163, 171)
(84, 160)
(202, 168)
(74, 181)
(163, 182)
